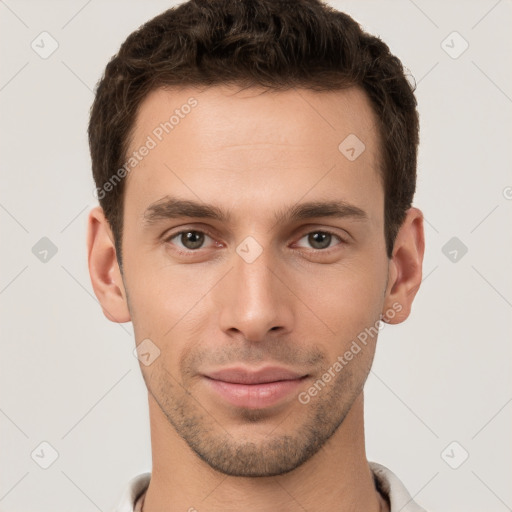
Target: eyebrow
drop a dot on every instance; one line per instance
(174, 208)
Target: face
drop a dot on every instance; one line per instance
(280, 263)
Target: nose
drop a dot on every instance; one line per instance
(255, 298)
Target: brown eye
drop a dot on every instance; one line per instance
(192, 239)
(320, 240)
(189, 240)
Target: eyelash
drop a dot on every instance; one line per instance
(192, 251)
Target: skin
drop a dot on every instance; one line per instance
(297, 305)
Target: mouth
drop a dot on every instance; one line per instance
(254, 389)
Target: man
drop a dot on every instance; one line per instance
(255, 163)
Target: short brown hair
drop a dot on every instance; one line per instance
(276, 44)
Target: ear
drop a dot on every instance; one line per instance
(104, 270)
(405, 268)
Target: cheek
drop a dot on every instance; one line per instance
(168, 300)
(346, 298)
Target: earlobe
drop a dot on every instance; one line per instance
(104, 270)
(405, 268)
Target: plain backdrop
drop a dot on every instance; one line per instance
(438, 400)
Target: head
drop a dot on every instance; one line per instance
(255, 167)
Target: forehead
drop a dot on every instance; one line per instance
(231, 115)
(223, 144)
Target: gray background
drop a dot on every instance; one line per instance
(68, 375)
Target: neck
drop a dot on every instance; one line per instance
(336, 478)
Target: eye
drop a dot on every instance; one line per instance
(320, 240)
(189, 239)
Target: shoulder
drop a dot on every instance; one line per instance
(391, 486)
(134, 488)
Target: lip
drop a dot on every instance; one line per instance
(254, 389)
(240, 375)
